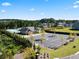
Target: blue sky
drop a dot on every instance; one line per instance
(37, 9)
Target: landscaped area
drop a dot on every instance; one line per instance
(11, 46)
(39, 29)
(29, 39)
(8, 48)
(63, 51)
(65, 30)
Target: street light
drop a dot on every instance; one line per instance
(0, 53)
(37, 51)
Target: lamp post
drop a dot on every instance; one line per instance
(37, 56)
(37, 50)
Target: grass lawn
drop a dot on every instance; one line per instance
(63, 50)
(65, 29)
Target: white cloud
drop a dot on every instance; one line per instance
(32, 9)
(75, 6)
(76, 2)
(6, 4)
(3, 11)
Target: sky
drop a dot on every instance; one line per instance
(38, 9)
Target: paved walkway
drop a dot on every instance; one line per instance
(18, 56)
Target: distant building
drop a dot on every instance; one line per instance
(22, 30)
(31, 28)
(47, 25)
(64, 24)
(60, 24)
(26, 30)
(68, 25)
(75, 26)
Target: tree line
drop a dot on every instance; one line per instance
(17, 23)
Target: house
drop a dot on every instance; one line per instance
(60, 25)
(47, 25)
(27, 30)
(24, 31)
(75, 26)
(68, 25)
(31, 28)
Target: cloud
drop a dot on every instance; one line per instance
(75, 6)
(76, 2)
(32, 9)
(6, 4)
(3, 11)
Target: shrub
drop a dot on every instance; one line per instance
(29, 53)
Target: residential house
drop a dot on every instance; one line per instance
(26, 30)
(75, 26)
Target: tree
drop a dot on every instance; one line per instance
(47, 20)
(29, 53)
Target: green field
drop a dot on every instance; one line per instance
(63, 51)
(63, 30)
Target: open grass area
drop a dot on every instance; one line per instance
(66, 30)
(63, 50)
